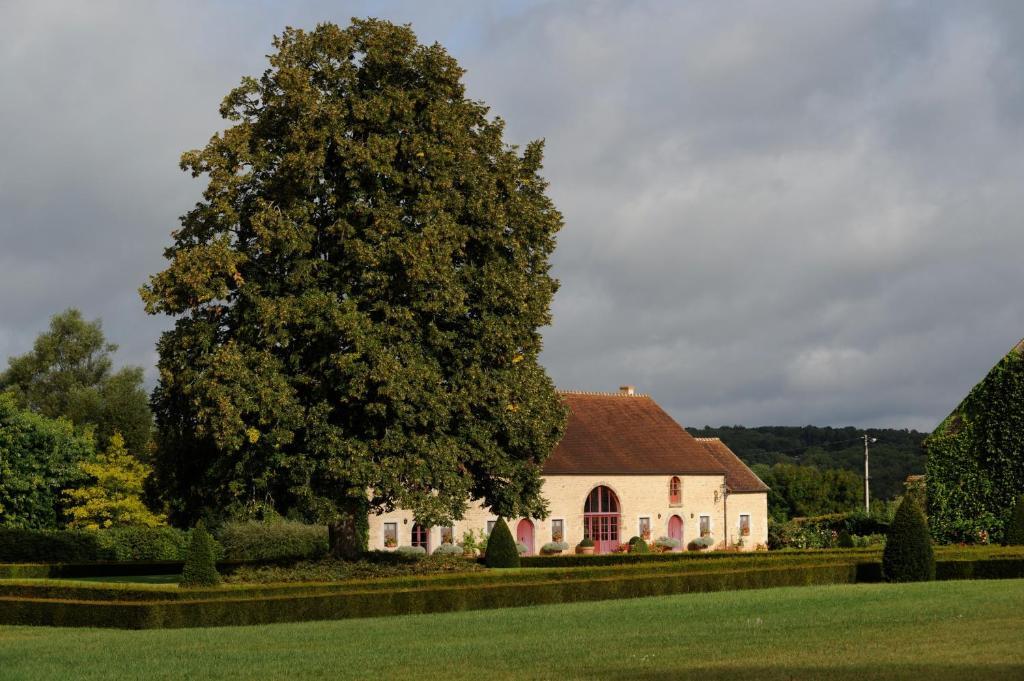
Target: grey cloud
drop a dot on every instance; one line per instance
(791, 212)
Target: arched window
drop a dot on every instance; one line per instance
(601, 500)
(420, 536)
(601, 519)
(675, 491)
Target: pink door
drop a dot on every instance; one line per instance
(675, 531)
(524, 534)
(601, 519)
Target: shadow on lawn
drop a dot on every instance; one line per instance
(864, 672)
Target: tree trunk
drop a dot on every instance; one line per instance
(348, 533)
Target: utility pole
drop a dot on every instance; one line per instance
(867, 477)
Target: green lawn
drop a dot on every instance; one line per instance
(957, 630)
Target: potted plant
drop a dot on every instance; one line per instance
(585, 547)
(556, 537)
(701, 543)
(554, 548)
(390, 542)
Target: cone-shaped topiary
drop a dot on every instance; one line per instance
(201, 560)
(501, 547)
(1015, 528)
(908, 555)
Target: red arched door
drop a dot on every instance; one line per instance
(601, 519)
(675, 531)
(524, 535)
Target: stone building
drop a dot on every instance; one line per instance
(623, 468)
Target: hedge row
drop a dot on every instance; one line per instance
(247, 611)
(18, 545)
(574, 560)
(107, 569)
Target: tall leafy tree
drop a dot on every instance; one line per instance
(69, 373)
(358, 295)
(39, 457)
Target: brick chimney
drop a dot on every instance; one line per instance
(627, 389)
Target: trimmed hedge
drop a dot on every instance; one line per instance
(201, 564)
(908, 555)
(502, 551)
(79, 546)
(1015, 527)
(247, 611)
(133, 607)
(281, 540)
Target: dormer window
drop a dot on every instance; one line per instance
(675, 491)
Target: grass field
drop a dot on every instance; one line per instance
(957, 630)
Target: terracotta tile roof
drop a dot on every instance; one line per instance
(620, 434)
(738, 478)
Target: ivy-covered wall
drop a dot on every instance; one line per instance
(975, 466)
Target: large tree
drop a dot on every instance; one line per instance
(69, 373)
(358, 296)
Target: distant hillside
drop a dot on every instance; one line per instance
(897, 454)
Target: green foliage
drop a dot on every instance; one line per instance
(142, 543)
(501, 547)
(586, 542)
(69, 374)
(38, 458)
(1014, 535)
(75, 546)
(111, 494)
(895, 455)
(701, 543)
(411, 551)
(358, 295)
(845, 540)
(553, 547)
(908, 554)
(823, 532)
(26, 545)
(373, 566)
(975, 462)
(273, 540)
(638, 545)
(797, 491)
(667, 543)
(201, 561)
(448, 550)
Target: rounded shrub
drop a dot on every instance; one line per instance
(1015, 528)
(667, 543)
(411, 551)
(273, 540)
(638, 545)
(586, 542)
(201, 560)
(845, 540)
(448, 550)
(522, 548)
(908, 555)
(554, 547)
(501, 547)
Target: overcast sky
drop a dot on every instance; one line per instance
(776, 213)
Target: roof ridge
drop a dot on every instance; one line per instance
(707, 439)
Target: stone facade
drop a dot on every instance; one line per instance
(639, 496)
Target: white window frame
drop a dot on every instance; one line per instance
(740, 524)
(440, 533)
(639, 525)
(384, 535)
(711, 526)
(557, 520)
(490, 526)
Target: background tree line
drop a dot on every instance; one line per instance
(817, 470)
